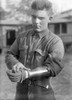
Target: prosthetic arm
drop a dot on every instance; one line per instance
(21, 75)
(50, 68)
(39, 72)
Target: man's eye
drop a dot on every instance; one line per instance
(41, 18)
(34, 17)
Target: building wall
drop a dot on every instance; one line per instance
(51, 27)
(66, 37)
(70, 28)
(3, 31)
(1, 37)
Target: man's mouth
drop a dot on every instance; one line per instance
(37, 26)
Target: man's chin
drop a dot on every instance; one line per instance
(38, 30)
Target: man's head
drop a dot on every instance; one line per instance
(41, 12)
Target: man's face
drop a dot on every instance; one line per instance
(40, 20)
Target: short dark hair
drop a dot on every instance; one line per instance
(42, 4)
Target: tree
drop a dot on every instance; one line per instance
(19, 11)
(3, 13)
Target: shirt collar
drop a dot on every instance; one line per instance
(41, 34)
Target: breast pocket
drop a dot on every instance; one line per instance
(39, 55)
(23, 53)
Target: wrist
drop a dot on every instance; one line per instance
(25, 75)
(14, 68)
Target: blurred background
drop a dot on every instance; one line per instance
(14, 18)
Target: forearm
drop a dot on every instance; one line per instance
(11, 55)
(55, 64)
(10, 60)
(51, 68)
(39, 73)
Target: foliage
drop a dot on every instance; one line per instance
(19, 10)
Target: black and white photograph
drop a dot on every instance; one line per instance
(35, 49)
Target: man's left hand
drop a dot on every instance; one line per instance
(17, 76)
(19, 66)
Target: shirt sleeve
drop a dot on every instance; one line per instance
(54, 59)
(57, 49)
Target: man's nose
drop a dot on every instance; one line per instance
(37, 20)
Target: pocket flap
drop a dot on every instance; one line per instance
(39, 51)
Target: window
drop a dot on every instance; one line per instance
(64, 28)
(57, 28)
(10, 37)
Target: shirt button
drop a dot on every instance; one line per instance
(27, 61)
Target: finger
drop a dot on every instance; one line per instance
(28, 69)
(13, 75)
(15, 79)
(17, 68)
(17, 74)
(14, 68)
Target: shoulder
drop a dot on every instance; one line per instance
(55, 46)
(25, 33)
(54, 38)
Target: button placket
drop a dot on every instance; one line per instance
(25, 56)
(28, 61)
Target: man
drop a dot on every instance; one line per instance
(35, 56)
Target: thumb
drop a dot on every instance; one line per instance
(28, 69)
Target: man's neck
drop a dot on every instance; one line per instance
(42, 33)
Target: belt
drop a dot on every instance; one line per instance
(37, 83)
